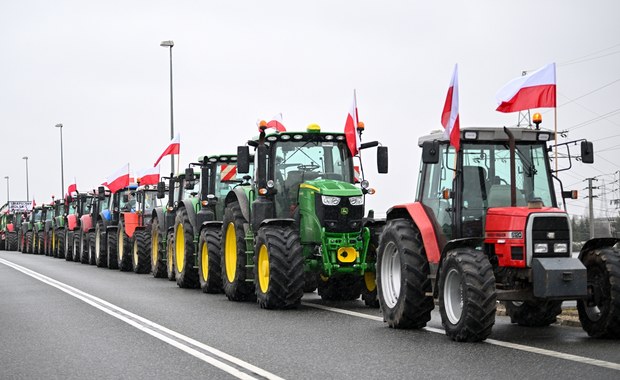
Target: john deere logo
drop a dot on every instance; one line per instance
(344, 211)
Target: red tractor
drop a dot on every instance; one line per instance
(486, 227)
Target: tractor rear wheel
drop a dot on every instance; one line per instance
(234, 259)
(170, 273)
(140, 257)
(60, 246)
(77, 254)
(599, 313)
(84, 259)
(158, 251)
(185, 272)
(467, 299)
(27, 242)
(101, 252)
(112, 247)
(278, 267)
(48, 243)
(210, 260)
(40, 243)
(533, 313)
(11, 239)
(403, 282)
(124, 249)
(92, 253)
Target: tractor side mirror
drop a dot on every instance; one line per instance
(101, 192)
(190, 181)
(243, 159)
(161, 189)
(587, 152)
(382, 159)
(430, 152)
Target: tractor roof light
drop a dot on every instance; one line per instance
(340, 137)
(537, 119)
(470, 135)
(298, 137)
(262, 123)
(313, 128)
(543, 137)
(360, 126)
(272, 138)
(285, 137)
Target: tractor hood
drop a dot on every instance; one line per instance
(332, 187)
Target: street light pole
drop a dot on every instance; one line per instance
(62, 165)
(27, 189)
(170, 44)
(7, 190)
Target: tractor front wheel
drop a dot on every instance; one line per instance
(278, 268)
(403, 282)
(84, 247)
(210, 260)
(170, 273)
(140, 257)
(101, 257)
(533, 313)
(234, 259)
(185, 273)
(124, 249)
(599, 313)
(112, 247)
(158, 251)
(467, 299)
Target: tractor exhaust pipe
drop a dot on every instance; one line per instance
(513, 175)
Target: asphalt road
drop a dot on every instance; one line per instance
(66, 320)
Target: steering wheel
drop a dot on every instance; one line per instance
(308, 168)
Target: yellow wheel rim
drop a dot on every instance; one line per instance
(204, 261)
(263, 268)
(121, 246)
(53, 241)
(370, 281)
(155, 247)
(230, 252)
(179, 247)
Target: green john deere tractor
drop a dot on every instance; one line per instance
(198, 223)
(300, 225)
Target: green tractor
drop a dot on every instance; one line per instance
(198, 223)
(300, 225)
(57, 236)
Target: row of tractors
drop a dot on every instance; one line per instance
(286, 215)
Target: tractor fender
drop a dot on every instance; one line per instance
(451, 245)
(71, 222)
(597, 243)
(191, 212)
(48, 225)
(10, 227)
(418, 215)
(159, 214)
(130, 220)
(86, 222)
(283, 222)
(212, 224)
(239, 195)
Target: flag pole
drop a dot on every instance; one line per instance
(555, 117)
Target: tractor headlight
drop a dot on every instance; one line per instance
(560, 248)
(356, 201)
(329, 200)
(541, 248)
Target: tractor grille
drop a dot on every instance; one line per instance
(549, 231)
(340, 218)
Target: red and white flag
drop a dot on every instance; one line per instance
(72, 189)
(173, 148)
(119, 179)
(276, 123)
(350, 128)
(148, 176)
(450, 114)
(534, 90)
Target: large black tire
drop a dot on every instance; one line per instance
(185, 272)
(278, 267)
(467, 298)
(600, 312)
(92, 253)
(403, 283)
(124, 249)
(234, 259)
(533, 313)
(158, 251)
(48, 243)
(101, 250)
(11, 239)
(140, 261)
(369, 281)
(210, 260)
(60, 245)
(170, 272)
(77, 254)
(20, 240)
(69, 246)
(40, 248)
(112, 247)
(27, 248)
(84, 247)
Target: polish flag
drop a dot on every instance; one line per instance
(276, 123)
(173, 148)
(119, 179)
(350, 128)
(450, 114)
(534, 90)
(148, 176)
(72, 189)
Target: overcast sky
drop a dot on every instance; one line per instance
(97, 68)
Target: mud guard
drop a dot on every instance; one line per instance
(597, 243)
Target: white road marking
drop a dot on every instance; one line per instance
(515, 346)
(153, 329)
